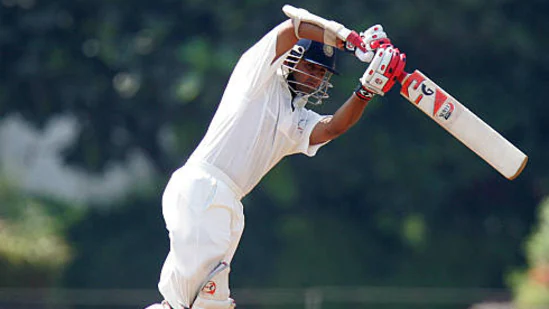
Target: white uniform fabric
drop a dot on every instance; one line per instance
(254, 127)
(205, 220)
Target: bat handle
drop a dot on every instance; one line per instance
(402, 77)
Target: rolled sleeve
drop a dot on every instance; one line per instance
(307, 123)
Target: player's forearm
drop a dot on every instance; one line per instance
(344, 118)
(287, 37)
(315, 33)
(333, 33)
(347, 115)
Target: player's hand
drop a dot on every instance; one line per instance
(386, 68)
(370, 40)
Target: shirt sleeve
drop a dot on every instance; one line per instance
(307, 122)
(256, 65)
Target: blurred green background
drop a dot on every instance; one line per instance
(101, 100)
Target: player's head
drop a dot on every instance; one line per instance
(308, 69)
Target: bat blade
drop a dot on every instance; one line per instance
(463, 124)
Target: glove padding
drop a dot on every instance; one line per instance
(370, 40)
(386, 68)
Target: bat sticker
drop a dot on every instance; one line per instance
(446, 110)
(425, 90)
(463, 124)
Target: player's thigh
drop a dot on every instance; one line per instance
(199, 224)
(202, 244)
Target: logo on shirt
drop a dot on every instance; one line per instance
(301, 125)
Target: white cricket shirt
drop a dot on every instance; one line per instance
(255, 126)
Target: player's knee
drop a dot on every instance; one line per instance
(200, 265)
(198, 259)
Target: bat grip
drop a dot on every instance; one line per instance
(402, 77)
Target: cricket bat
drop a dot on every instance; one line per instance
(463, 124)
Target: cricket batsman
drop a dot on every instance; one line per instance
(262, 117)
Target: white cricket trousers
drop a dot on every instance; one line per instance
(204, 218)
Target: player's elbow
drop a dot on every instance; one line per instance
(327, 130)
(325, 135)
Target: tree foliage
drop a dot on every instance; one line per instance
(396, 201)
(33, 247)
(531, 288)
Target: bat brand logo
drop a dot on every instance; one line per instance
(446, 110)
(209, 288)
(426, 90)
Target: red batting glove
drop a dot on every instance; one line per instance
(384, 70)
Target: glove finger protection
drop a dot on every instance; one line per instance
(386, 68)
(373, 38)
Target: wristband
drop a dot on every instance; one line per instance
(363, 93)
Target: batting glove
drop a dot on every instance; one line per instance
(370, 40)
(386, 68)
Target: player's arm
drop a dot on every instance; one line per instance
(345, 117)
(380, 76)
(303, 24)
(287, 38)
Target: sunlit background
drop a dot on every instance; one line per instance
(100, 100)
